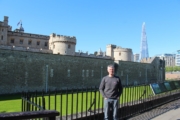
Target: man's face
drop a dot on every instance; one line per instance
(111, 70)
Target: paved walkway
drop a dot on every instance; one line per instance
(170, 111)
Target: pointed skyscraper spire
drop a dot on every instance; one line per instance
(144, 46)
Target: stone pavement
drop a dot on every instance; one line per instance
(169, 111)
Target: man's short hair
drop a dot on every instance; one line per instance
(111, 66)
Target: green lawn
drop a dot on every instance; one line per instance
(10, 103)
(13, 103)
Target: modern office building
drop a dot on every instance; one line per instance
(136, 57)
(170, 59)
(178, 58)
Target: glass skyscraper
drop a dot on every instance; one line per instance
(144, 46)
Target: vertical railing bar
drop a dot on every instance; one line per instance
(55, 95)
(94, 102)
(36, 100)
(90, 99)
(98, 103)
(72, 104)
(22, 100)
(82, 102)
(77, 104)
(66, 103)
(32, 97)
(86, 100)
(49, 99)
(61, 95)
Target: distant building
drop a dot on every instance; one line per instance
(169, 59)
(136, 57)
(178, 58)
(144, 46)
(55, 44)
(18, 39)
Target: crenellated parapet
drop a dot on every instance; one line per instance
(120, 49)
(61, 44)
(111, 46)
(62, 38)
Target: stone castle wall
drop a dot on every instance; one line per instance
(22, 71)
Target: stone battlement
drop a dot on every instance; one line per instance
(92, 55)
(147, 60)
(27, 35)
(111, 45)
(119, 49)
(62, 38)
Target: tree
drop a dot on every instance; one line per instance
(95, 53)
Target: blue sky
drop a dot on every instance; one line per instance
(97, 23)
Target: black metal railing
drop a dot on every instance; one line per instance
(87, 103)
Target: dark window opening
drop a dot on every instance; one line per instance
(1, 37)
(69, 46)
(29, 42)
(38, 42)
(12, 40)
(21, 42)
(46, 44)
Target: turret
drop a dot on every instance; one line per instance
(124, 54)
(3, 31)
(60, 44)
(5, 21)
(109, 50)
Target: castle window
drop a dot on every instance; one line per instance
(68, 73)
(46, 44)
(119, 54)
(53, 46)
(69, 46)
(2, 29)
(82, 73)
(12, 40)
(38, 42)
(92, 73)
(29, 42)
(1, 37)
(21, 41)
(87, 73)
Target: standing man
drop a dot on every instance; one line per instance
(111, 89)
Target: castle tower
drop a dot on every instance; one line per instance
(60, 44)
(124, 54)
(144, 46)
(109, 50)
(3, 31)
